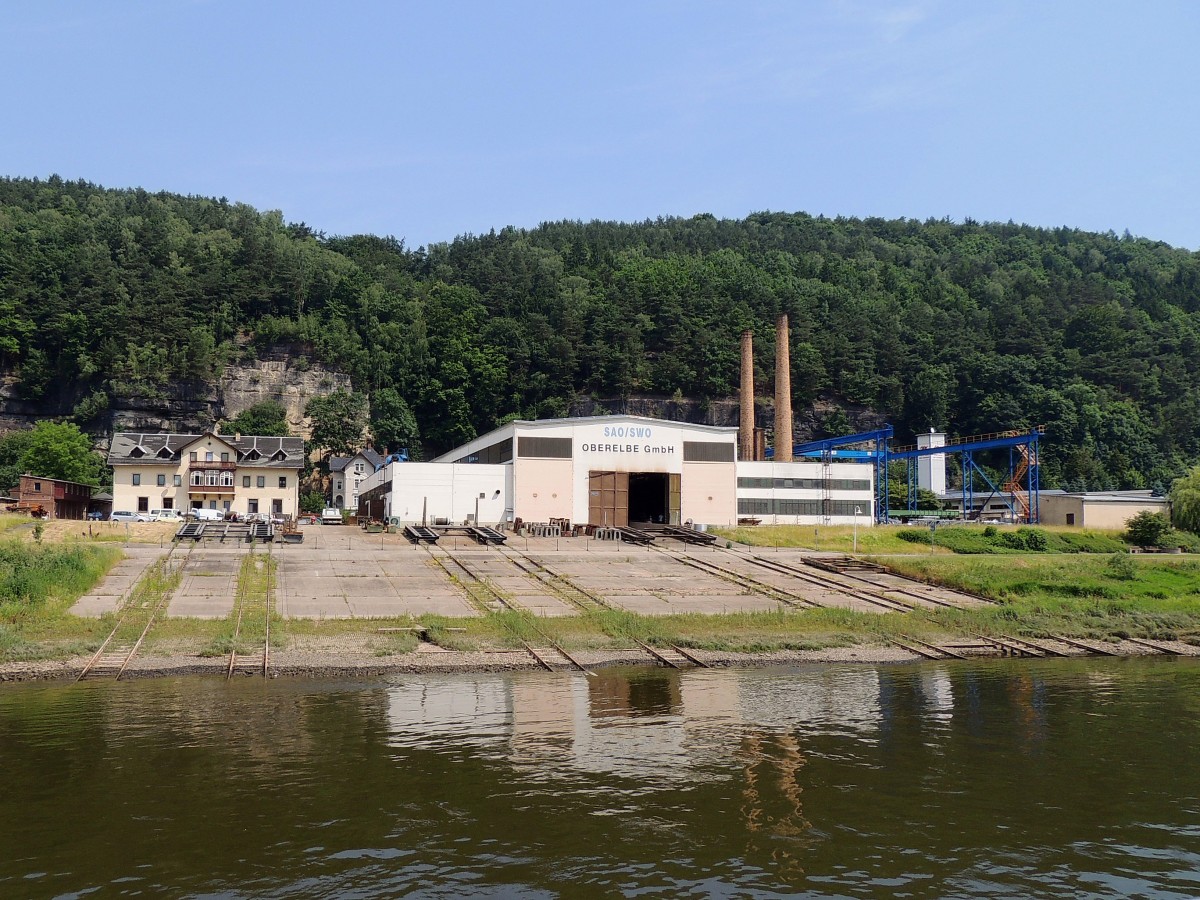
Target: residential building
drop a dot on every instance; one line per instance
(346, 474)
(242, 474)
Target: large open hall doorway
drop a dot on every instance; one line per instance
(648, 498)
(632, 498)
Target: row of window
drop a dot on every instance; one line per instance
(751, 506)
(806, 484)
(210, 479)
(143, 505)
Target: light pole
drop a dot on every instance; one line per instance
(857, 511)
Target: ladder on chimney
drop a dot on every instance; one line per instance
(826, 493)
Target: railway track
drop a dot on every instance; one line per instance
(747, 582)
(146, 599)
(485, 596)
(816, 578)
(558, 584)
(253, 607)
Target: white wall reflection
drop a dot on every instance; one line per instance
(639, 723)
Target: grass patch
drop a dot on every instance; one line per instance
(245, 628)
(39, 582)
(910, 540)
(1081, 595)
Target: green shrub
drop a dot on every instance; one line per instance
(1148, 529)
(31, 575)
(1120, 567)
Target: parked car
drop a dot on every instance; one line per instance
(165, 515)
(124, 515)
(331, 515)
(206, 515)
(96, 516)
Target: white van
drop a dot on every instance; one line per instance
(201, 514)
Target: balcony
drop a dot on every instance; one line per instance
(197, 465)
(221, 489)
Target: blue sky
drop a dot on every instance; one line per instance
(428, 120)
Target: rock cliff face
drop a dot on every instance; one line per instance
(281, 380)
(194, 406)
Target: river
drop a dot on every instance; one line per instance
(1069, 778)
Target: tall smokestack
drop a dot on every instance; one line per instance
(746, 425)
(783, 392)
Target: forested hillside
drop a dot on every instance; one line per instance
(973, 328)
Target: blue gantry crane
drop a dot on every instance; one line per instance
(1019, 490)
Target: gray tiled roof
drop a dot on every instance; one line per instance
(338, 463)
(129, 448)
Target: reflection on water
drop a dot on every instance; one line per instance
(991, 779)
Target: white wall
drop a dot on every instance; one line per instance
(863, 499)
(446, 490)
(931, 470)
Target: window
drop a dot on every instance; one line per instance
(339, 486)
(37, 485)
(709, 451)
(208, 456)
(277, 507)
(143, 504)
(245, 481)
(1070, 518)
(137, 479)
(193, 456)
(178, 480)
(251, 506)
(261, 481)
(224, 457)
(358, 468)
(168, 502)
(226, 506)
(212, 504)
(162, 480)
(543, 447)
(282, 481)
(197, 478)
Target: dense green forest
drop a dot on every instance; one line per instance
(972, 328)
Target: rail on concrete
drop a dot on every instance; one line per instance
(190, 531)
(687, 535)
(635, 536)
(484, 535)
(226, 532)
(421, 534)
(842, 564)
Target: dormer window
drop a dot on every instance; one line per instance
(253, 455)
(165, 453)
(137, 452)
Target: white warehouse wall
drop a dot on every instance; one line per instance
(765, 501)
(445, 490)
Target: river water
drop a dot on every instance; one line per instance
(990, 779)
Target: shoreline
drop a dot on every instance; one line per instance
(326, 664)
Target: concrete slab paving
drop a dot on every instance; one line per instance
(108, 595)
(342, 572)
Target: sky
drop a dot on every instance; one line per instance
(430, 120)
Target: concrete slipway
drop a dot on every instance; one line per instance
(342, 572)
